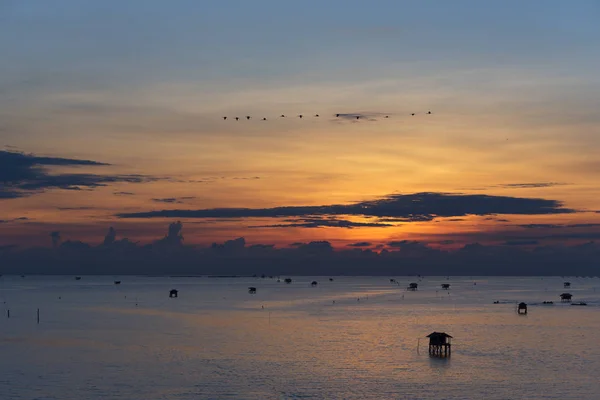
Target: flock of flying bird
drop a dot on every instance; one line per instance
(354, 116)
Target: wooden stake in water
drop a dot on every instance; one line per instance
(38, 315)
(7, 313)
(418, 343)
(269, 317)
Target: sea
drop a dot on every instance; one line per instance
(342, 338)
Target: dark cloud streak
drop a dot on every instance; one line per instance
(23, 175)
(409, 207)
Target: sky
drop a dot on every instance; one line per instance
(111, 115)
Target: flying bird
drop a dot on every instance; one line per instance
(337, 115)
(264, 119)
(247, 117)
(237, 118)
(300, 116)
(316, 115)
(412, 113)
(358, 117)
(428, 112)
(224, 118)
(387, 116)
(282, 116)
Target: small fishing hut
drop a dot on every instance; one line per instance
(412, 286)
(117, 282)
(522, 308)
(567, 284)
(252, 290)
(445, 286)
(288, 280)
(314, 283)
(565, 297)
(392, 280)
(173, 293)
(77, 278)
(439, 344)
(330, 279)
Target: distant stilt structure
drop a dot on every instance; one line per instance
(445, 286)
(566, 297)
(522, 308)
(439, 344)
(173, 293)
(567, 284)
(412, 287)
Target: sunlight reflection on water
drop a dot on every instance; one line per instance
(217, 341)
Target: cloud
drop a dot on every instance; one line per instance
(76, 208)
(408, 207)
(55, 238)
(6, 221)
(530, 185)
(404, 257)
(321, 223)
(521, 242)
(558, 226)
(124, 193)
(110, 236)
(23, 174)
(360, 116)
(360, 244)
(178, 200)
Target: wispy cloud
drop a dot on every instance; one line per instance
(323, 223)
(76, 208)
(6, 221)
(558, 226)
(531, 185)
(178, 200)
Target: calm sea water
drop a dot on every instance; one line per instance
(97, 340)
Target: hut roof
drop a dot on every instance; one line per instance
(438, 334)
(566, 295)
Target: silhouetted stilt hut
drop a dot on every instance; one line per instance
(567, 284)
(117, 282)
(565, 297)
(330, 279)
(77, 278)
(173, 293)
(288, 280)
(392, 280)
(314, 283)
(252, 290)
(445, 286)
(522, 308)
(439, 344)
(412, 286)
